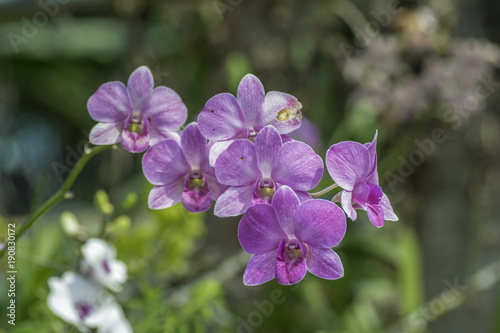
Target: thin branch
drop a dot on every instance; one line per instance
(62, 193)
(324, 191)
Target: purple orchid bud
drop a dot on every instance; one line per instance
(254, 171)
(289, 238)
(137, 115)
(226, 118)
(180, 172)
(353, 167)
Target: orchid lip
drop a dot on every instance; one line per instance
(196, 178)
(135, 123)
(290, 250)
(266, 187)
(105, 265)
(84, 309)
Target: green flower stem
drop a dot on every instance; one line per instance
(62, 193)
(324, 191)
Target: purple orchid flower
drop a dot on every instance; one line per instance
(288, 238)
(136, 115)
(180, 172)
(353, 167)
(256, 170)
(226, 118)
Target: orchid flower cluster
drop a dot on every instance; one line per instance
(239, 154)
(85, 300)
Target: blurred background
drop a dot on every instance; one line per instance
(424, 73)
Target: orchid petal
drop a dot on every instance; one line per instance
(283, 111)
(348, 163)
(346, 201)
(267, 146)
(259, 230)
(164, 162)
(260, 269)
(222, 118)
(194, 145)
(372, 151)
(110, 103)
(234, 201)
(140, 86)
(106, 133)
(251, 98)
(216, 149)
(324, 263)
(389, 214)
(320, 223)
(297, 166)
(165, 109)
(376, 215)
(237, 166)
(286, 205)
(165, 196)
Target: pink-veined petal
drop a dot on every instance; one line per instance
(286, 205)
(106, 133)
(346, 202)
(194, 145)
(157, 135)
(376, 215)
(348, 163)
(164, 162)
(222, 118)
(260, 269)
(303, 195)
(234, 201)
(389, 214)
(372, 151)
(324, 263)
(267, 146)
(110, 103)
(140, 86)
(251, 98)
(216, 188)
(320, 223)
(165, 196)
(216, 149)
(259, 230)
(297, 166)
(237, 165)
(166, 109)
